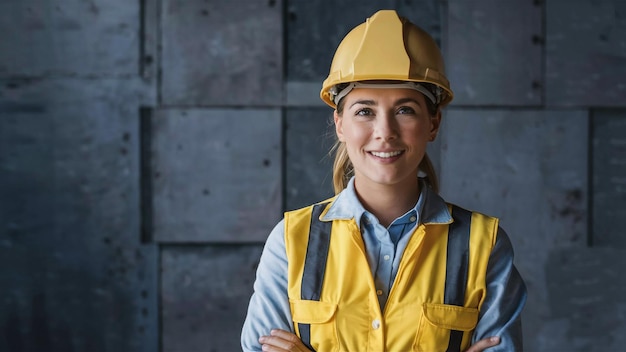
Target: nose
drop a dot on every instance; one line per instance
(386, 127)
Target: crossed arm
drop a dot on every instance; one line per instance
(284, 341)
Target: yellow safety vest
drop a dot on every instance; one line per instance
(434, 301)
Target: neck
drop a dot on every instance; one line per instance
(388, 202)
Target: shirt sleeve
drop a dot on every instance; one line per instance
(500, 314)
(269, 305)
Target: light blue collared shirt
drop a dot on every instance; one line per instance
(499, 316)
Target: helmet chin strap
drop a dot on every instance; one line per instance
(410, 85)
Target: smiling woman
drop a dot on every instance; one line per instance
(385, 132)
(386, 264)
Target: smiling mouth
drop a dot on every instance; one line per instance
(386, 154)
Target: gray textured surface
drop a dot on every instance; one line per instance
(70, 37)
(309, 135)
(304, 94)
(494, 52)
(586, 53)
(150, 40)
(75, 276)
(205, 293)
(221, 53)
(315, 28)
(586, 290)
(609, 178)
(216, 174)
(530, 169)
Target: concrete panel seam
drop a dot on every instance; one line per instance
(148, 40)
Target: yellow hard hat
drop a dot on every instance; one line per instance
(390, 48)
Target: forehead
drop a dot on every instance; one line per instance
(384, 94)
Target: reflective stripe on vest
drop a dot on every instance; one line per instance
(314, 265)
(457, 264)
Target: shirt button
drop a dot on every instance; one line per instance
(376, 324)
(379, 292)
(386, 257)
(413, 218)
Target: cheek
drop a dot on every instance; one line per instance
(354, 134)
(418, 136)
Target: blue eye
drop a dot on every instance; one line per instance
(364, 112)
(406, 110)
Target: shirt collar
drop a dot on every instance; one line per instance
(346, 205)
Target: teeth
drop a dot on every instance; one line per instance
(386, 155)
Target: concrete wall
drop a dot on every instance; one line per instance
(148, 147)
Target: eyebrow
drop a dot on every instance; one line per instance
(407, 100)
(364, 102)
(398, 102)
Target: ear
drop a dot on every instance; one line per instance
(338, 126)
(435, 122)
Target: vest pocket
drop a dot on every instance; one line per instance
(320, 317)
(437, 322)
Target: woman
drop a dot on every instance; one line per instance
(386, 264)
